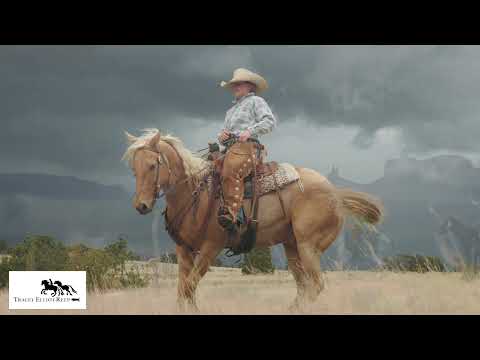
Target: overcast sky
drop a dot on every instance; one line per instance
(63, 109)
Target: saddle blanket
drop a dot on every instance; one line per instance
(284, 175)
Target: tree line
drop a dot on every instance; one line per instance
(105, 268)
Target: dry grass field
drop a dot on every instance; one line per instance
(227, 291)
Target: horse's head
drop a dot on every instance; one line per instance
(152, 170)
(57, 283)
(45, 282)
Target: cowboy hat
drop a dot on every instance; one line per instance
(240, 75)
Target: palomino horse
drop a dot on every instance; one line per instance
(313, 220)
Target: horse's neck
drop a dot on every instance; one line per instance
(180, 200)
(180, 196)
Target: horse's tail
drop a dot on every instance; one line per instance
(360, 204)
(72, 289)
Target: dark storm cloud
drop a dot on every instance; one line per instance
(66, 107)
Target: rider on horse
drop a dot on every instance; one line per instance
(249, 118)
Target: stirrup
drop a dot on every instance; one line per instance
(232, 252)
(229, 253)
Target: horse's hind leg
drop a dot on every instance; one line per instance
(312, 276)
(316, 225)
(295, 267)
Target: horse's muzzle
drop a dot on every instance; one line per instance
(143, 209)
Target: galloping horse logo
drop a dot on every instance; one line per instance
(49, 286)
(64, 287)
(56, 286)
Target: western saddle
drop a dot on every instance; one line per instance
(262, 168)
(248, 224)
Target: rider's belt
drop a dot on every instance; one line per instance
(230, 142)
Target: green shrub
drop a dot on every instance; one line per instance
(170, 258)
(259, 260)
(6, 265)
(414, 263)
(105, 268)
(40, 253)
(35, 253)
(133, 279)
(3, 247)
(97, 263)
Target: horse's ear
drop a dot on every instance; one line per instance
(153, 142)
(130, 138)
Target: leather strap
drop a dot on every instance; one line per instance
(278, 191)
(254, 203)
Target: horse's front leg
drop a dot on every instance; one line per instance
(185, 265)
(201, 263)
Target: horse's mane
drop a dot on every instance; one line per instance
(192, 164)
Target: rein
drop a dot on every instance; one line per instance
(172, 225)
(172, 187)
(157, 178)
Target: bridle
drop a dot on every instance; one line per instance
(158, 187)
(171, 187)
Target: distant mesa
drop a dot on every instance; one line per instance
(335, 178)
(58, 187)
(434, 168)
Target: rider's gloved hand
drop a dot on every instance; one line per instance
(244, 135)
(224, 135)
(213, 147)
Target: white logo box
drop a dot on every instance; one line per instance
(25, 290)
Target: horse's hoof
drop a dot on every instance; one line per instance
(297, 307)
(180, 307)
(183, 307)
(193, 310)
(293, 308)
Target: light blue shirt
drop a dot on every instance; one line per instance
(252, 113)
